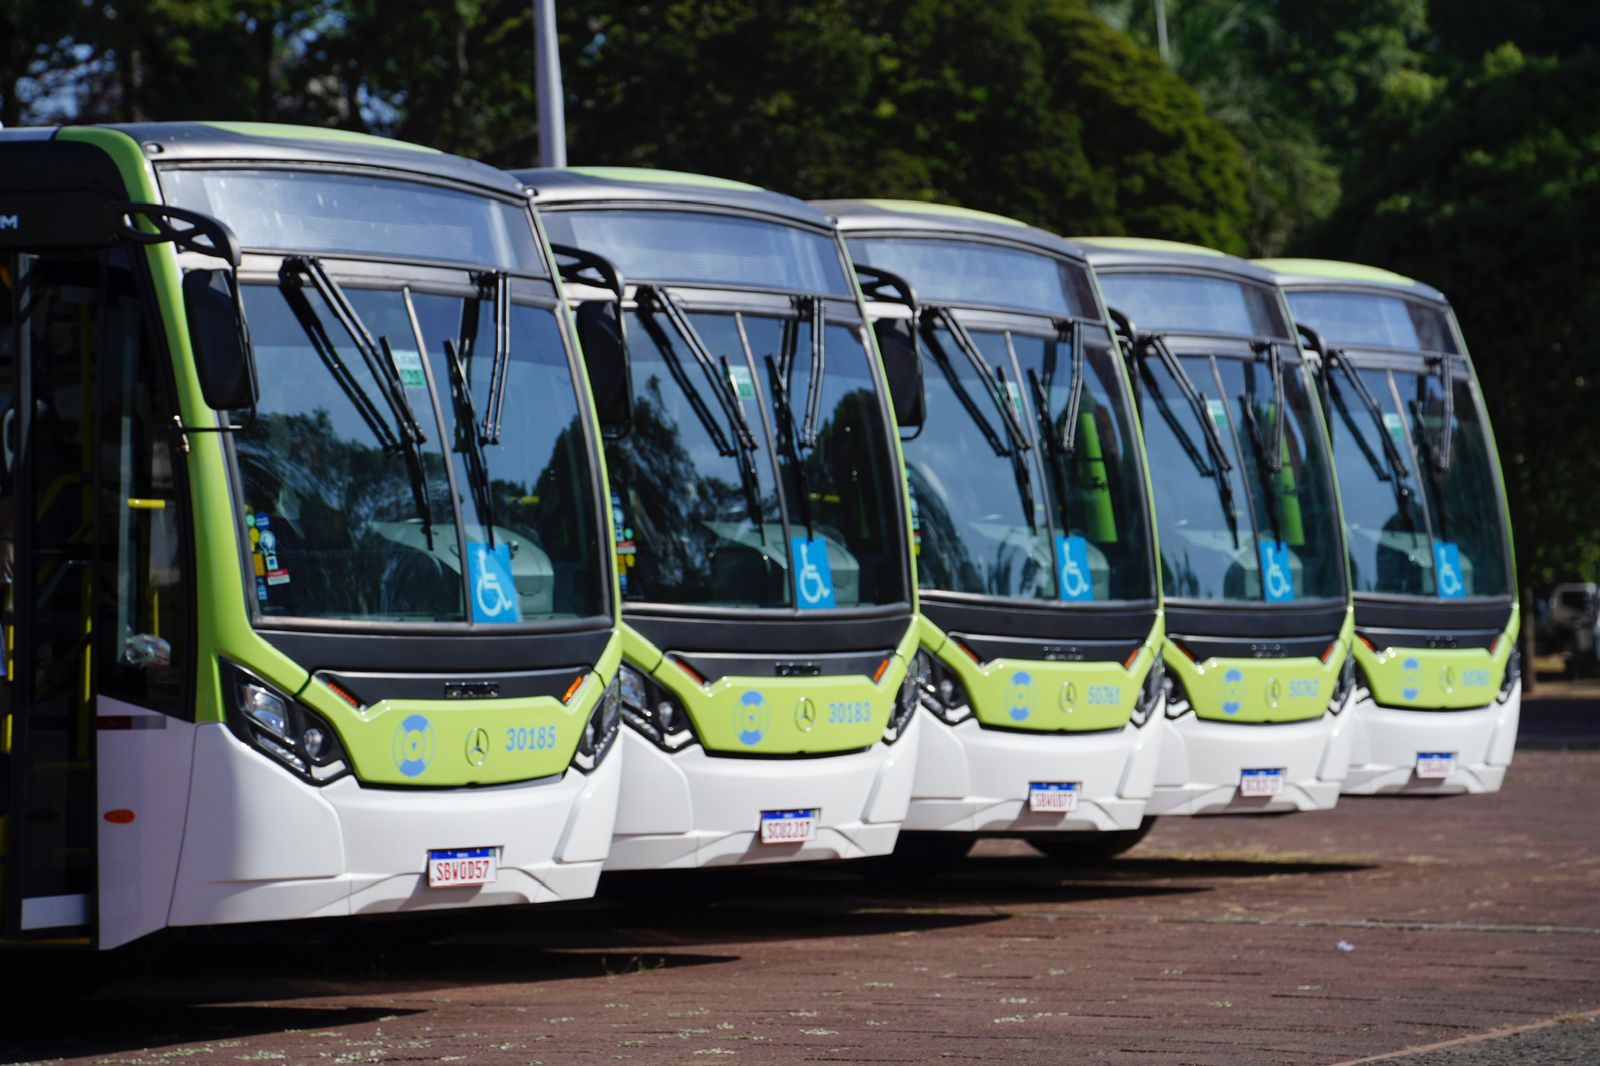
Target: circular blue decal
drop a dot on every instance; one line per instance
(413, 745)
(1021, 695)
(1232, 691)
(750, 717)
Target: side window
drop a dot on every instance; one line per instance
(145, 645)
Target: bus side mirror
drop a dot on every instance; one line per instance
(1126, 333)
(220, 339)
(902, 366)
(605, 355)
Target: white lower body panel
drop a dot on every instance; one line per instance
(690, 809)
(1202, 763)
(1387, 741)
(975, 780)
(261, 845)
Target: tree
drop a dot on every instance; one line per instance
(1492, 193)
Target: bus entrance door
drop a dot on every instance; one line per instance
(51, 311)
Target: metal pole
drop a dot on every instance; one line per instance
(547, 75)
(1161, 31)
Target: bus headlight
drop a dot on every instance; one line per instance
(291, 733)
(942, 691)
(905, 700)
(653, 711)
(1150, 693)
(600, 731)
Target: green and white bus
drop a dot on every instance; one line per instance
(1438, 674)
(1253, 569)
(768, 603)
(311, 610)
(1041, 613)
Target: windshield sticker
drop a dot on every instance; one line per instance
(408, 364)
(813, 576)
(494, 592)
(264, 553)
(627, 549)
(1072, 568)
(1395, 425)
(739, 378)
(1447, 565)
(1219, 412)
(1277, 581)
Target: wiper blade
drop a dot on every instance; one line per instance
(1221, 465)
(808, 432)
(1186, 384)
(1060, 443)
(1441, 450)
(941, 359)
(1008, 413)
(721, 386)
(1069, 432)
(1019, 466)
(407, 435)
(469, 441)
(495, 286)
(1391, 451)
(786, 430)
(1274, 456)
(652, 299)
(1266, 471)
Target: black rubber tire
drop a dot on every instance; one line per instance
(1090, 847)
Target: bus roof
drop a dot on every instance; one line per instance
(1318, 273)
(917, 217)
(265, 142)
(1117, 252)
(564, 186)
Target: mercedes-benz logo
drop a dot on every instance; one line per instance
(478, 747)
(805, 714)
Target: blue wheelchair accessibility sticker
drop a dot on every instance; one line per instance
(1447, 570)
(813, 576)
(494, 592)
(1072, 569)
(1276, 580)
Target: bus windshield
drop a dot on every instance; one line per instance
(982, 275)
(1422, 510)
(1243, 490)
(1062, 519)
(759, 470)
(373, 486)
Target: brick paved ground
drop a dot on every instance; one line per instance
(1381, 926)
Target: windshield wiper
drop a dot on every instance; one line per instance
(495, 286)
(1221, 465)
(1391, 451)
(808, 432)
(1060, 443)
(1274, 458)
(1001, 394)
(942, 359)
(1266, 472)
(1441, 450)
(652, 299)
(786, 430)
(469, 441)
(406, 435)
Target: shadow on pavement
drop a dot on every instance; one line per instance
(113, 1027)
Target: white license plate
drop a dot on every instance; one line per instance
(1261, 782)
(461, 866)
(1053, 796)
(789, 827)
(1434, 765)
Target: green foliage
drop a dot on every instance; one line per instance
(1492, 192)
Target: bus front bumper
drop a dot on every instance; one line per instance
(975, 780)
(689, 809)
(261, 845)
(1202, 765)
(1387, 742)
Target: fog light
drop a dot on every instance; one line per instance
(313, 740)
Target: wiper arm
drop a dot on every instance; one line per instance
(1267, 473)
(808, 432)
(1441, 450)
(941, 359)
(469, 441)
(1274, 457)
(1008, 413)
(1069, 432)
(1186, 384)
(1391, 451)
(407, 434)
(1019, 466)
(1054, 448)
(652, 299)
(721, 387)
(1221, 465)
(496, 286)
(786, 431)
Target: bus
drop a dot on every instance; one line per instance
(1438, 671)
(1253, 568)
(1041, 624)
(762, 536)
(311, 609)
